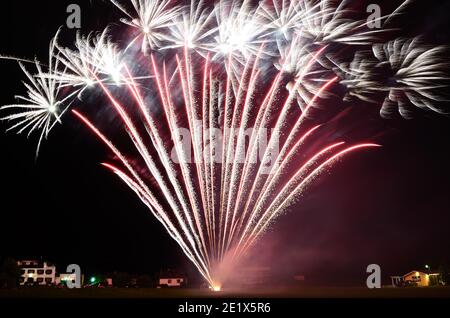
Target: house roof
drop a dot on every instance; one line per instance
(414, 272)
(420, 272)
(33, 264)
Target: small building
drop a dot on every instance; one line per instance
(171, 282)
(36, 273)
(64, 278)
(415, 279)
(171, 279)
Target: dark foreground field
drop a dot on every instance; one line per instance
(309, 292)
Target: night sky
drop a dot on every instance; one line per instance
(389, 206)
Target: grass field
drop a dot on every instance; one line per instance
(307, 292)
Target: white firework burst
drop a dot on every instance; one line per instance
(80, 71)
(404, 72)
(190, 28)
(325, 21)
(281, 18)
(151, 18)
(238, 33)
(303, 64)
(43, 106)
(417, 72)
(95, 59)
(106, 58)
(357, 77)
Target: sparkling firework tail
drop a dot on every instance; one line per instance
(239, 149)
(281, 120)
(190, 221)
(271, 214)
(137, 140)
(146, 195)
(261, 183)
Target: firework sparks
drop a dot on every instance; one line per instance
(281, 17)
(409, 73)
(205, 223)
(105, 57)
(303, 65)
(417, 74)
(79, 70)
(190, 29)
(326, 21)
(44, 104)
(153, 17)
(238, 37)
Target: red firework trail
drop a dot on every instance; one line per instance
(218, 206)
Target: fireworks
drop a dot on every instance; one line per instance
(219, 193)
(407, 72)
(280, 17)
(238, 37)
(190, 29)
(326, 21)
(80, 68)
(210, 212)
(44, 106)
(151, 19)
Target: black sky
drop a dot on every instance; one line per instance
(389, 207)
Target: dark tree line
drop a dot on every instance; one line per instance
(9, 272)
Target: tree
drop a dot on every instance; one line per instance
(9, 273)
(145, 281)
(444, 274)
(121, 280)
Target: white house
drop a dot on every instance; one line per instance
(171, 279)
(171, 282)
(36, 273)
